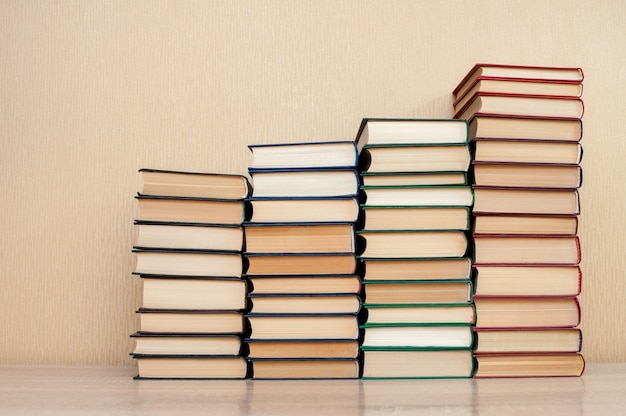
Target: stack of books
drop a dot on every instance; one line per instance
(189, 255)
(525, 128)
(300, 248)
(413, 242)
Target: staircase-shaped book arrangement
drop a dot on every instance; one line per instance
(189, 257)
(416, 210)
(424, 248)
(300, 249)
(525, 128)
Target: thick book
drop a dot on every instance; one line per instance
(194, 184)
(188, 236)
(527, 151)
(519, 250)
(415, 218)
(304, 183)
(517, 86)
(185, 321)
(526, 175)
(190, 210)
(416, 336)
(304, 155)
(301, 264)
(489, 127)
(299, 237)
(390, 131)
(186, 344)
(423, 158)
(527, 312)
(294, 368)
(393, 178)
(314, 284)
(191, 367)
(406, 292)
(193, 293)
(301, 210)
(317, 348)
(443, 363)
(526, 201)
(527, 224)
(529, 73)
(456, 268)
(301, 327)
(535, 281)
(529, 365)
(304, 303)
(425, 196)
(407, 243)
(429, 313)
(540, 106)
(188, 263)
(527, 341)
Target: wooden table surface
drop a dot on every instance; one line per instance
(112, 390)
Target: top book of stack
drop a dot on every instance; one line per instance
(381, 132)
(519, 91)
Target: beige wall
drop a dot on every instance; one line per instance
(91, 91)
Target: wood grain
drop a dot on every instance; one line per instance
(37, 390)
(91, 92)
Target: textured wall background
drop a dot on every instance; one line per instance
(92, 91)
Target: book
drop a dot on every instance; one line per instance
(189, 236)
(305, 304)
(417, 364)
(527, 224)
(528, 73)
(186, 344)
(540, 106)
(526, 341)
(526, 151)
(402, 244)
(526, 201)
(194, 184)
(299, 237)
(305, 369)
(545, 312)
(171, 321)
(394, 131)
(458, 268)
(509, 249)
(190, 210)
(304, 183)
(398, 218)
(423, 158)
(303, 327)
(407, 292)
(412, 336)
(193, 293)
(527, 175)
(413, 178)
(533, 365)
(516, 281)
(451, 313)
(301, 210)
(317, 348)
(518, 86)
(188, 263)
(425, 196)
(525, 129)
(304, 155)
(301, 264)
(191, 367)
(315, 284)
